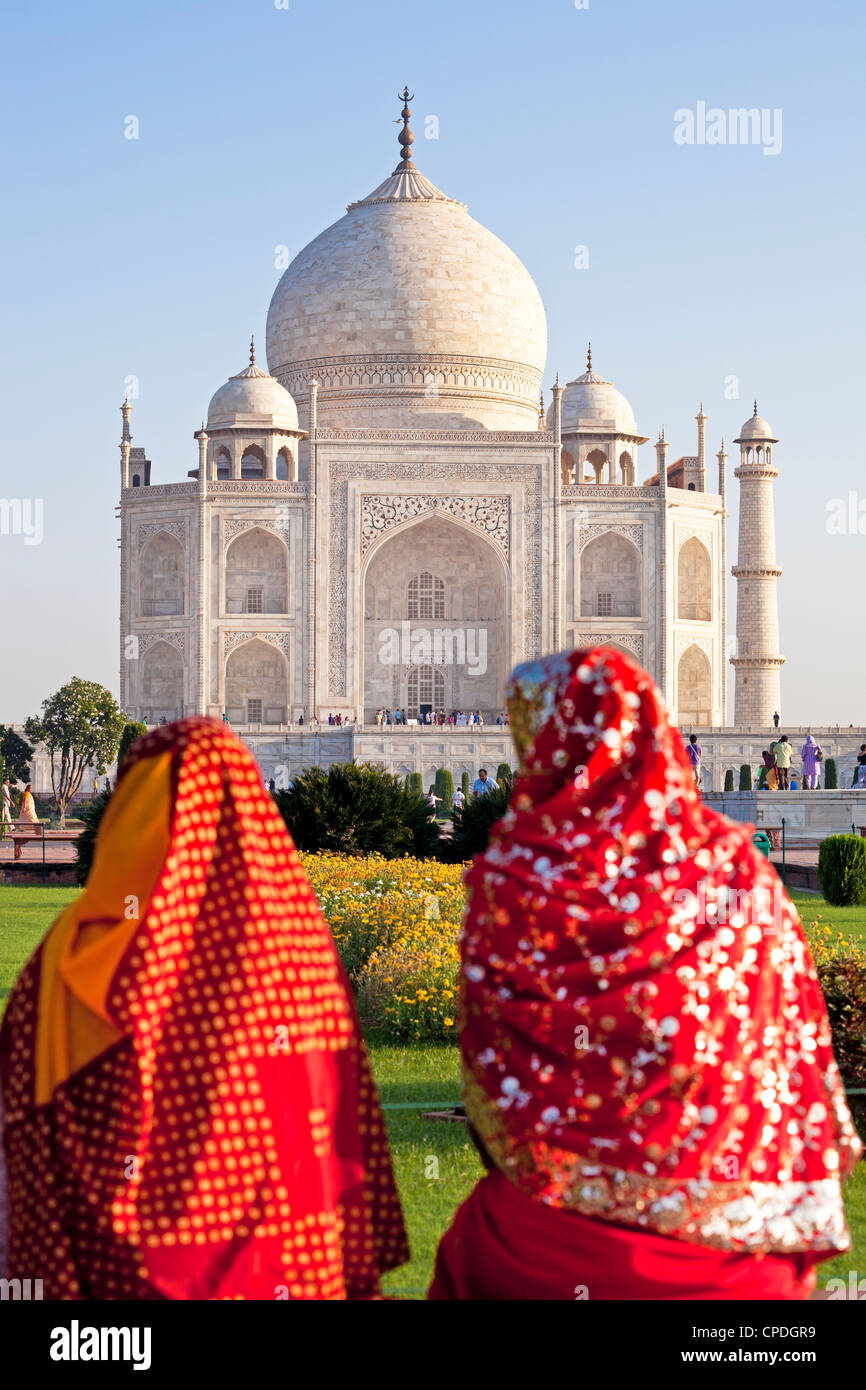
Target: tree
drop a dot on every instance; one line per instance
(745, 777)
(472, 825)
(443, 787)
(464, 784)
(415, 783)
(16, 755)
(504, 774)
(80, 726)
(831, 776)
(356, 808)
(729, 780)
(131, 731)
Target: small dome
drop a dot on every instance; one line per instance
(591, 398)
(252, 398)
(756, 429)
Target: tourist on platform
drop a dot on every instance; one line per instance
(6, 810)
(26, 814)
(859, 779)
(776, 720)
(769, 772)
(483, 784)
(653, 1093)
(458, 800)
(189, 1109)
(812, 755)
(783, 752)
(695, 752)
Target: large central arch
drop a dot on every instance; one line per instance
(434, 594)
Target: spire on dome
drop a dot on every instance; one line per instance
(755, 411)
(252, 350)
(589, 357)
(405, 138)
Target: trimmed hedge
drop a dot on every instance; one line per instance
(745, 777)
(842, 869)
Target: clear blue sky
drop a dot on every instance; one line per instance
(155, 257)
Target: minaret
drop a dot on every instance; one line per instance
(557, 634)
(125, 443)
(664, 608)
(723, 587)
(201, 687)
(702, 449)
(758, 661)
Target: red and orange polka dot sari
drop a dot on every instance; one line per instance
(189, 1110)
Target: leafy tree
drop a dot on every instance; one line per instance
(443, 787)
(91, 814)
(472, 825)
(356, 808)
(745, 777)
(729, 780)
(132, 730)
(831, 775)
(80, 726)
(16, 754)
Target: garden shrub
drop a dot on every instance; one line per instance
(472, 825)
(91, 814)
(841, 966)
(464, 785)
(729, 780)
(355, 808)
(831, 775)
(443, 787)
(745, 777)
(415, 783)
(842, 869)
(504, 774)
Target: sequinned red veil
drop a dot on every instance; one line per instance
(644, 1038)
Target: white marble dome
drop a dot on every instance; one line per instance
(252, 398)
(409, 312)
(757, 430)
(589, 398)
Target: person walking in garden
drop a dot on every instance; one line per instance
(483, 784)
(812, 755)
(592, 980)
(6, 811)
(159, 1144)
(695, 752)
(783, 751)
(26, 815)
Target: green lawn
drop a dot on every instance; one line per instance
(849, 920)
(436, 1164)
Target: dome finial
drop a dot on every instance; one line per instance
(252, 350)
(589, 357)
(405, 137)
(755, 412)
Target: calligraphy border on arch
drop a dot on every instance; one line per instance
(233, 638)
(381, 512)
(340, 473)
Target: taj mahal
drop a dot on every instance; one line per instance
(394, 471)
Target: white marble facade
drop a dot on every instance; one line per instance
(387, 518)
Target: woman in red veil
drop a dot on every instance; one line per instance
(188, 1110)
(646, 1052)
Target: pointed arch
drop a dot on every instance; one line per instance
(694, 582)
(694, 687)
(161, 577)
(256, 683)
(257, 572)
(610, 577)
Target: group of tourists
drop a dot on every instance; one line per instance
(457, 719)
(17, 816)
(777, 772)
(188, 1109)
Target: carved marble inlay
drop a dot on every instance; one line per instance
(148, 639)
(171, 528)
(686, 640)
(632, 533)
(232, 528)
(632, 641)
(233, 638)
(380, 513)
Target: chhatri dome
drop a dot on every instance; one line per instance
(756, 430)
(408, 312)
(592, 399)
(252, 398)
